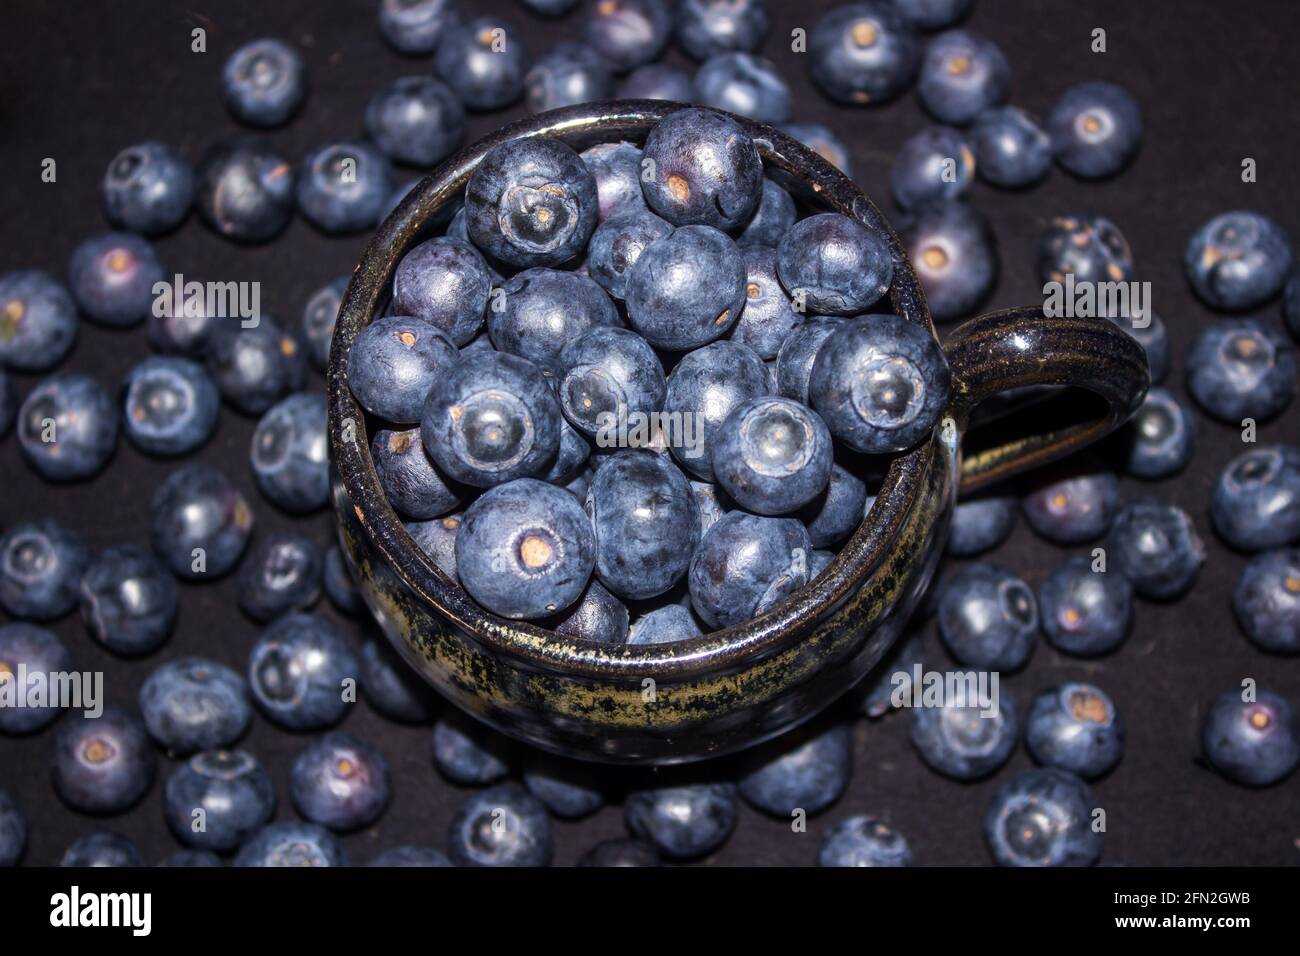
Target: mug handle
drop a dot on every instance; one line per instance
(1023, 347)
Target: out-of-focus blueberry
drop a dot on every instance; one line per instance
(392, 687)
(102, 849)
(318, 318)
(191, 704)
(38, 321)
(962, 75)
(343, 187)
(255, 367)
(37, 652)
(200, 522)
(933, 14)
(13, 830)
(128, 600)
(1011, 149)
(148, 188)
(103, 764)
(67, 427)
(683, 822)
(483, 60)
(340, 782)
(934, 166)
(1075, 727)
(1042, 817)
(955, 256)
(416, 120)
(988, 618)
(264, 82)
(962, 739)
(1253, 742)
(218, 799)
(406, 856)
(807, 773)
(1096, 129)
(112, 277)
(1267, 600)
(170, 405)
(294, 844)
(822, 141)
(245, 190)
(892, 676)
(41, 564)
(414, 27)
(1085, 612)
(290, 453)
(571, 73)
(1238, 260)
(282, 573)
(340, 587)
(298, 670)
(863, 53)
(864, 841)
(981, 525)
(744, 84)
(1161, 436)
(621, 851)
(569, 789)
(1256, 501)
(1155, 546)
(1073, 510)
(1241, 368)
(503, 825)
(469, 753)
(706, 28)
(627, 33)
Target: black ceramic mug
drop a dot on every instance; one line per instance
(740, 685)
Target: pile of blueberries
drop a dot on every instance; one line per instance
(567, 298)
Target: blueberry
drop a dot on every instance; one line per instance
(504, 825)
(962, 74)
(1085, 612)
(833, 264)
(671, 622)
(416, 120)
(988, 618)
(955, 256)
(38, 321)
(410, 480)
(1155, 546)
(772, 219)
(112, 277)
(36, 651)
(687, 288)
(706, 28)
(538, 311)
(1042, 817)
(1096, 129)
(393, 364)
(1238, 260)
(794, 360)
(340, 782)
(318, 318)
(616, 167)
(571, 460)
(620, 851)
(192, 858)
(808, 773)
(683, 822)
(1267, 600)
(744, 84)
(571, 73)
(446, 283)
(415, 26)
(192, 704)
(290, 453)
(1256, 501)
(772, 455)
(405, 856)
(933, 14)
(218, 799)
(437, 539)
(863, 53)
(147, 188)
(569, 789)
(290, 843)
(13, 830)
(102, 849)
(302, 672)
(128, 600)
(880, 383)
(745, 565)
(703, 170)
(835, 514)
(1075, 727)
(1241, 368)
(875, 694)
(200, 522)
(627, 33)
(340, 587)
(531, 202)
(934, 166)
(392, 687)
(41, 564)
(822, 141)
(469, 753)
(768, 316)
(618, 243)
(702, 390)
(657, 81)
(980, 525)
(1253, 742)
(525, 550)
(170, 406)
(599, 616)
(864, 841)
(1073, 510)
(283, 573)
(960, 739)
(255, 367)
(103, 764)
(263, 83)
(1162, 436)
(67, 427)
(1011, 149)
(244, 190)
(343, 187)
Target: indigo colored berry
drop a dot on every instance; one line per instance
(38, 321)
(834, 265)
(706, 28)
(414, 27)
(1096, 129)
(264, 82)
(627, 33)
(955, 256)
(568, 788)
(1161, 436)
(704, 170)
(539, 311)
(446, 283)
(962, 75)
(686, 289)
(962, 739)
(864, 841)
(863, 53)
(503, 825)
(297, 672)
(571, 73)
(806, 773)
(703, 389)
(41, 564)
(148, 189)
(469, 753)
(1256, 501)
(344, 187)
(616, 167)
(980, 525)
(794, 360)
(31, 650)
(1011, 149)
(1091, 248)
(200, 522)
(340, 782)
(621, 851)
(745, 565)
(1085, 612)
(772, 455)
(933, 14)
(128, 600)
(768, 316)
(282, 573)
(1241, 368)
(1255, 742)
(772, 219)
(599, 616)
(255, 367)
(67, 427)
(170, 405)
(657, 81)
(988, 618)
(192, 703)
(1042, 817)
(407, 856)
(102, 849)
(292, 844)
(394, 363)
(1267, 600)
(103, 764)
(392, 687)
(318, 318)
(934, 166)
(218, 799)
(671, 622)
(112, 276)
(744, 84)
(1075, 727)
(244, 190)
(1154, 545)
(835, 513)
(618, 243)
(1073, 510)
(437, 539)
(409, 478)
(1238, 260)
(683, 822)
(416, 120)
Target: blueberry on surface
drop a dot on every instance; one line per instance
(1075, 727)
(571, 459)
(616, 167)
(244, 190)
(503, 825)
(822, 141)
(290, 453)
(671, 622)
(218, 799)
(294, 844)
(41, 564)
(988, 618)
(1148, 330)
(469, 753)
(952, 248)
(936, 165)
(835, 514)
(744, 84)
(36, 651)
(794, 360)
(1154, 545)
(283, 573)
(148, 188)
(340, 587)
(772, 455)
(683, 822)
(703, 170)
(569, 789)
(392, 687)
(318, 318)
(491, 418)
(407, 856)
(772, 219)
(446, 283)
(128, 600)
(408, 477)
(962, 74)
(102, 849)
(571, 73)
(191, 704)
(1096, 129)
(394, 363)
(806, 773)
(702, 390)
(705, 28)
(834, 265)
(414, 27)
(416, 120)
(525, 549)
(964, 738)
(768, 316)
(531, 202)
(103, 764)
(539, 311)
(621, 851)
(657, 81)
(980, 525)
(933, 14)
(200, 523)
(618, 243)
(38, 321)
(627, 33)
(1238, 260)
(1011, 149)
(880, 384)
(255, 366)
(1256, 501)
(112, 276)
(1267, 600)
(745, 564)
(1042, 817)
(297, 670)
(340, 782)
(1085, 612)
(67, 427)
(264, 83)
(1241, 368)
(599, 616)
(863, 53)
(437, 539)
(1161, 436)
(1092, 248)
(13, 830)
(686, 289)
(344, 187)
(864, 841)
(1255, 742)
(1073, 510)
(170, 405)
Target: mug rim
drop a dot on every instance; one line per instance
(530, 643)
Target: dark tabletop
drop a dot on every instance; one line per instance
(1217, 83)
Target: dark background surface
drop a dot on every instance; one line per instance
(1217, 83)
